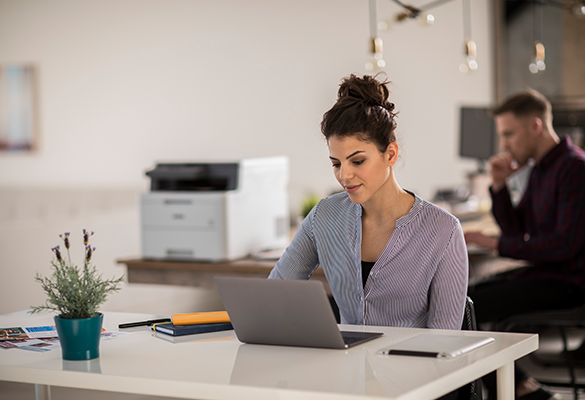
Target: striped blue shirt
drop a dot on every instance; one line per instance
(419, 280)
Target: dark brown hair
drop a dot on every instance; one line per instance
(362, 109)
(525, 104)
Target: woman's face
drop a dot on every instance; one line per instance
(360, 168)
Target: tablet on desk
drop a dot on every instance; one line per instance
(436, 346)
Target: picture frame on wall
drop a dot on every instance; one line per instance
(18, 114)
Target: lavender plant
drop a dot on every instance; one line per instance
(73, 292)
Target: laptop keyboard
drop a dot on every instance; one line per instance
(352, 339)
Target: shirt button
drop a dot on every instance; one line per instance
(526, 237)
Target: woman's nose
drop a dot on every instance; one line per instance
(345, 173)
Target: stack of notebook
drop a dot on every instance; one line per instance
(191, 323)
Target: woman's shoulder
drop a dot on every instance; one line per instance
(336, 204)
(429, 211)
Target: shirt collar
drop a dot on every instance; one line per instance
(414, 211)
(404, 220)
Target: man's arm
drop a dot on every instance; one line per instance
(480, 239)
(568, 237)
(508, 218)
(501, 167)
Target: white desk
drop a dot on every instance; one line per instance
(218, 366)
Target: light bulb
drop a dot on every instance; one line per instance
(375, 64)
(579, 10)
(385, 25)
(470, 57)
(537, 65)
(425, 19)
(376, 61)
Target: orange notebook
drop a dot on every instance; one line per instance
(212, 317)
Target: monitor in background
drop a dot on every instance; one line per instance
(477, 136)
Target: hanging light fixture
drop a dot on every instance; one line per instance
(410, 12)
(537, 65)
(376, 61)
(470, 49)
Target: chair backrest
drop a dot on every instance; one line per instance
(473, 390)
(469, 322)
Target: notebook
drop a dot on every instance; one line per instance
(284, 312)
(180, 330)
(437, 345)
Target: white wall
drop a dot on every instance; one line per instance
(126, 83)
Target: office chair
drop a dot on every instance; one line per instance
(473, 390)
(559, 319)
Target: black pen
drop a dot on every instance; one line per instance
(144, 323)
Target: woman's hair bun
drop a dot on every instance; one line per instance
(366, 89)
(363, 109)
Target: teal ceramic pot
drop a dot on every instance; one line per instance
(80, 338)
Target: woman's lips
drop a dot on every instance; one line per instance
(352, 189)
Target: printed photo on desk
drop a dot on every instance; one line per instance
(39, 338)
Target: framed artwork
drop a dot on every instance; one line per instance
(18, 119)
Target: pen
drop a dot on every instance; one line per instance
(144, 323)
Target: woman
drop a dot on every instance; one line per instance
(390, 257)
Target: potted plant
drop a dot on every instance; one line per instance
(308, 203)
(76, 294)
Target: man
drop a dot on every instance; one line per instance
(546, 228)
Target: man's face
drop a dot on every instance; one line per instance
(516, 137)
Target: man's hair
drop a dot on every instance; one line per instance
(526, 103)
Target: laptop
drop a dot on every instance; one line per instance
(285, 313)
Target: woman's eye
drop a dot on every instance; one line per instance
(336, 165)
(358, 162)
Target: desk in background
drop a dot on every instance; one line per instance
(216, 366)
(483, 265)
(200, 274)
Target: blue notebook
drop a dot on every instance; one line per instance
(180, 330)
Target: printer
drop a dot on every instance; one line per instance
(215, 211)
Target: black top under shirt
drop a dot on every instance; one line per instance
(366, 268)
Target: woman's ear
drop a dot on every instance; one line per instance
(392, 153)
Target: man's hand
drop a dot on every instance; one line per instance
(501, 166)
(482, 240)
